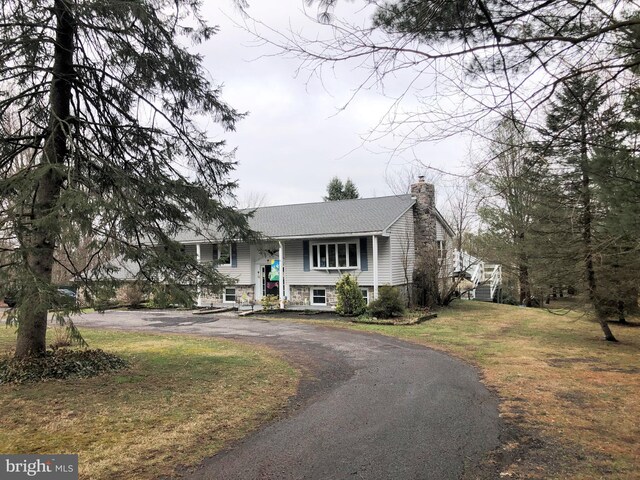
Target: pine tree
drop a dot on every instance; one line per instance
(100, 139)
(337, 190)
(578, 124)
(334, 190)
(350, 191)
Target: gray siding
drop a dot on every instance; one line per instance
(242, 272)
(402, 249)
(443, 235)
(295, 274)
(190, 250)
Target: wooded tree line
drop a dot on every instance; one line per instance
(559, 78)
(101, 149)
(561, 202)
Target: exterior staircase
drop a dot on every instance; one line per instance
(485, 278)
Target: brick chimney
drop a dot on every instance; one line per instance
(424, 215)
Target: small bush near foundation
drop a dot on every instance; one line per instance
(59, 364)
(388, 305)
(270, 302)
(350, 299)
(131, 294)
(166, 296)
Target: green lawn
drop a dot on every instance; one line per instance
(182, 399)
(556, 377)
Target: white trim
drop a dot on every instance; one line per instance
(355, 242)
(224, 295)
(330, 235)
(281, 281)
(366, 297)
(444, 223)
(199, 259)
(380, 233)
(219, 247)
(311, 289)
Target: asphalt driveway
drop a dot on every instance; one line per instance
(370, 406)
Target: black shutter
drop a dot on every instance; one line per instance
(234, 255)
(305, 256)
(364, 260)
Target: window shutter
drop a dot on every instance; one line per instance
(234, 255)
(364, 261)
(214, 250)
(305, 256)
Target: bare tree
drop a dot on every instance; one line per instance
(462, 211)
(462, 63)
(252, 199)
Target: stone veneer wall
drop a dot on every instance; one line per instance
(424, 216)
(301, 294)
(208, 298)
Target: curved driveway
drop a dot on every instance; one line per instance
(370, 407)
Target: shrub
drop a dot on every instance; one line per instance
(101, 297)
(130, 294)
(389, 303)
(270, 302)
(350, 299)
(61, 338)
(166, 296)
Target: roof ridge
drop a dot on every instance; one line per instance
(326, 202)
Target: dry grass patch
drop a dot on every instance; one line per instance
(182, 400)
(556, 376)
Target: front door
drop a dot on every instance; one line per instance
(269, 287)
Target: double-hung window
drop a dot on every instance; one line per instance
(229, 295)
(222, 253)
(318, 296)
(335, 255)
(365, 295)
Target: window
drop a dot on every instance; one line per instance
(318, 296)
(335, 255)
(222, 253)
(365, 295)
(442, 252)
(229, 295)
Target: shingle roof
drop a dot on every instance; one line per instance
(344, 217)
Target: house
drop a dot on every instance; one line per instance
(312, 245)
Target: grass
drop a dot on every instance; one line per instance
(183, 399)
(556, 377)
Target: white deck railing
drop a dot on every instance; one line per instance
(477, 271)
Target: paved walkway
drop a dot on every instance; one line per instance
(371, 407)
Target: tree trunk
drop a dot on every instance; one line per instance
(39, 243)
(523, 280)
(523, 271)
(585, 198)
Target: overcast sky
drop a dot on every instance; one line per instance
(296, 138)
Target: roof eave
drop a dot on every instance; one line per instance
(376, 233)
(385, 231)
(444, 223)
